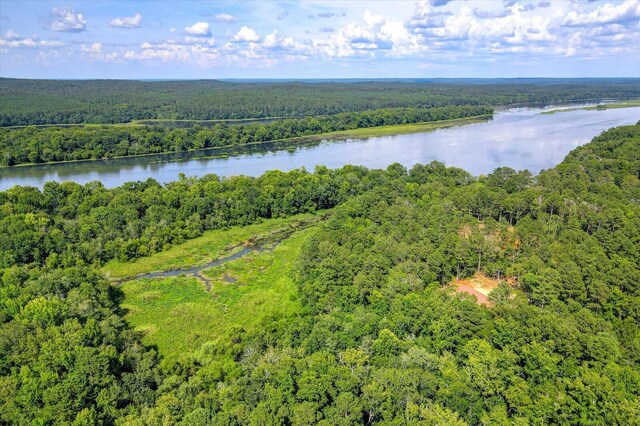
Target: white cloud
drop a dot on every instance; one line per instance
(13, 40)
(273, 41)
(247, 49)
(172, 51)
(200, 40)
(111, 57)
(559, 28)
(51, 43)
(605, 14)
(160, 51)
(199, 29)
(225, 17)
(422, 16)
(246, 34)
(378, 34)
(129, 22)
(483, 31)
(94, 48)
(11, 35)
(67, 20)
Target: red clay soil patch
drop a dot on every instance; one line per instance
(479, 285)
(481, 299)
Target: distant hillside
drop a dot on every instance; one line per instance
(25, 102)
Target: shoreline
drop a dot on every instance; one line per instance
(360, 133)
(598, 107)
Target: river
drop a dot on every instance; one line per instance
(521, 138)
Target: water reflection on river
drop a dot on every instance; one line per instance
(518, 138)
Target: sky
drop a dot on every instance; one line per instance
(319, 39)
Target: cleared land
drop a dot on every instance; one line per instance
(210, 246)
(479, 286)
(178, 315)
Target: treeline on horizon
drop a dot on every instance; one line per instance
(379, 338)
(36, 102)
(33, 145)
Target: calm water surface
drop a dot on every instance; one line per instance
(518, 138)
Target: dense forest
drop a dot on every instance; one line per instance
(33, 145)
(27, 102)
(381, 337)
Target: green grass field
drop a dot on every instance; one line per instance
(178, 315)
(210, 246)
(400, 129)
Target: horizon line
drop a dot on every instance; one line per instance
(151, 79)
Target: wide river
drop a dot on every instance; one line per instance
(519, 138)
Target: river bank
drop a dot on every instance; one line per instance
(522, 138)
(366, 132)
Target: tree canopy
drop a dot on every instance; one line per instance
(381, 337)
(27, 102)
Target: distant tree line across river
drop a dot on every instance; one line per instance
(27, 102)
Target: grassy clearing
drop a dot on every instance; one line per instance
(210, 246)
(177, 314)
(232, 282)
(625, 104)
(600, 107)
(397, 129)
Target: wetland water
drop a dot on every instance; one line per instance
(519, 138)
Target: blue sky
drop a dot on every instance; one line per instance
(316, 39)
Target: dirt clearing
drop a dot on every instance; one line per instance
(479, 285)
